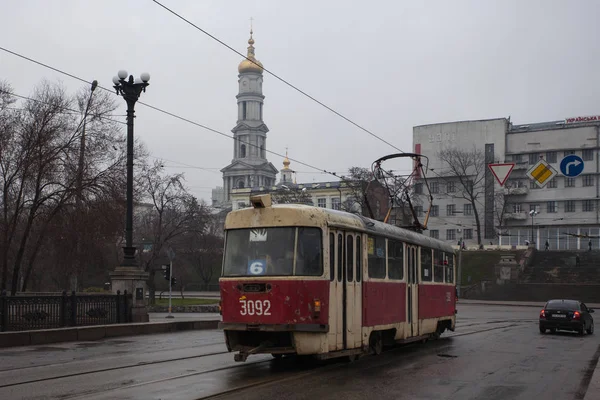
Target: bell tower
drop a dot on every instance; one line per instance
(249, 167)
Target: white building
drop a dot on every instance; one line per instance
(567, 207)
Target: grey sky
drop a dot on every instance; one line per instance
(388, 65)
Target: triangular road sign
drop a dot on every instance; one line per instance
(501, 171)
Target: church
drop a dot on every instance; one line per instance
(250, 172)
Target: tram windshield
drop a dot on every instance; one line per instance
(283, 251)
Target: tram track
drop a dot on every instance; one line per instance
(286, 374)
(325, 368)
(100, 370)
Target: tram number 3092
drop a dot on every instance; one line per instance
(255, 307)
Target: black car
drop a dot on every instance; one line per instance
(568, 315)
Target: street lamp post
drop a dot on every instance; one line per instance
(130, 90)
(533, 213)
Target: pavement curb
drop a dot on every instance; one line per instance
(97, 332)
(484, 303)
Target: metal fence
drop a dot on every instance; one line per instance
(23, 312)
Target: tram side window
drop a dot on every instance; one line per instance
(331, 256)
(340, 257)
(426, 265)
(438, 266)
(358, 258)
(376, 259)
(309, 260)
(450, 268)
(349, 258)
(395, 259)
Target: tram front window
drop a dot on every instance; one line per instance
(270, 252)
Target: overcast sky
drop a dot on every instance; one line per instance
(387, 65)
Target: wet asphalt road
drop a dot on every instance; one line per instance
(496, 352)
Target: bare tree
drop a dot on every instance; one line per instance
(501, 207)
(173, 212)
(42, 168)
(466, 168)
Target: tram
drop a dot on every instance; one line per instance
(306, 280)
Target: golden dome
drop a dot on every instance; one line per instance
(286, 163)
(251, 64)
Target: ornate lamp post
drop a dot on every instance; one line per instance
(128, 277)
(533, 213)
(130, 90)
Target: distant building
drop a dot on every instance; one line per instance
(249, 166)
(567, 207)
(251, 173)
(217, 196)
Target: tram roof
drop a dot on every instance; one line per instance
(304, 215)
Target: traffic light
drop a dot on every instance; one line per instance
(167, 272)
(173, 281)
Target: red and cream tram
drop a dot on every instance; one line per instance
(313, 281)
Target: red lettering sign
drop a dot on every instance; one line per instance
(582, 119)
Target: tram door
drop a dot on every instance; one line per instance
(346, 290)
(412, 291)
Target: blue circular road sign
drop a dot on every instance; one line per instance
(571, 165)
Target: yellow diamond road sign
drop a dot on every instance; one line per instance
(541, 173)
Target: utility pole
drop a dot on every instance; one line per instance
(171, 255)
(170, 287)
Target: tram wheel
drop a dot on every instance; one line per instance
(376, 343)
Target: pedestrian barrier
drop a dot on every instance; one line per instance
(23, 312)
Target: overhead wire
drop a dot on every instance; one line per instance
(174, 115)
(277, 76)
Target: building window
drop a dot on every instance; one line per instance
(243, 151)
(568, 152)
(533, 158)
(434, 233)
(588, 205)
(533, 185)
(469, 186)
(552, 184)
(569, 206)
(517, 208)
(240, 184)
(551, 207)
(435, 187)
(243, 110)
(450, 234)
(587, 154)
(451, 186)
(418, 188)
(551, 156)
(260, 107)
(435, 211)
(517, 158)
(468, 209)
(468, 234)
(569, 182)
(322, 203)
(336, 204)
(450, 208)
(533, 207)
(419, 210)
(588, 180)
